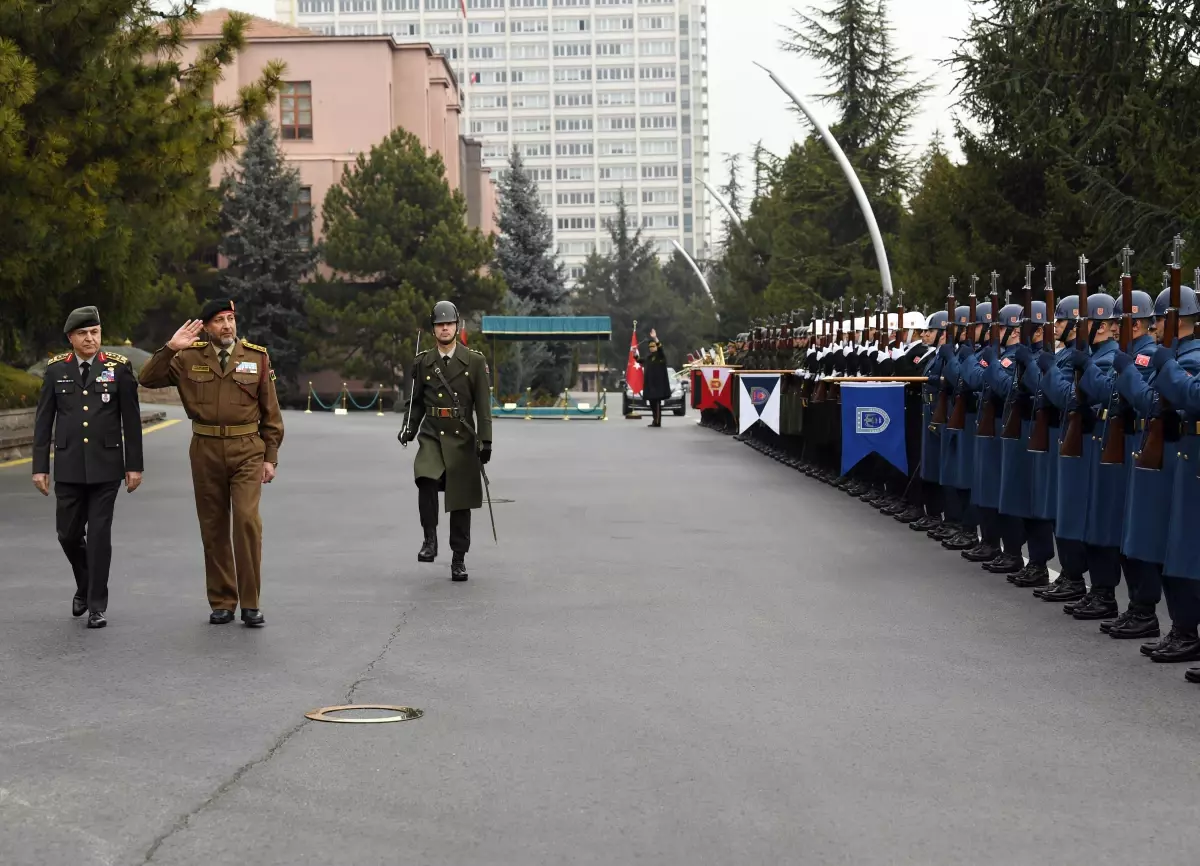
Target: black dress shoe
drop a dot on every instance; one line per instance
(922, 524)
(1005, 563)
(1071, 589)
(220, 617)
(1152, 647)
(458, 568)
(981, 552)
(1058, 581)
(943, 531)
(1032, 576)
(78, 606)
(908, 516)
(428, 551)
(1185, 648)
(1192, 675)
(962, 541)
(1122, 617)
(253, 617)
(96, 619)
(1101, 605)
(1137, 624)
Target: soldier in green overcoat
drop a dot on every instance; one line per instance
(450, 416)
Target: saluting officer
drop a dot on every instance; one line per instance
(228, 391)
(450, 415)
(89, 410)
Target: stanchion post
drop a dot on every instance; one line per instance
(529, 404)
(345, 394)
(308, 409)
(379, 399)
(566, 405)
(604, 405)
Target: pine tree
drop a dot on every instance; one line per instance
(397, 235)
(269, 249)
(525, 258)
(107, 138)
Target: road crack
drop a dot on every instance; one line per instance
(185, 819)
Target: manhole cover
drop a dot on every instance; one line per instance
(402, 714)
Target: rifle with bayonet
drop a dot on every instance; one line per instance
(987, 412)
(1151, 455)
(1114, 430)
(1072, 440)
(958, 417)
(1017, 405)
(1039, 436)
(942, 409)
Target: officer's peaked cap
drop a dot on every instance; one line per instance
(1067, 308)
(83, 317)
(444, 312)
(1100, 307)
(215, 307)
(1141, 306)
(1187, 302)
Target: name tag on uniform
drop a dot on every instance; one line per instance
(247, 367)
(201, 368)
(1142, 360)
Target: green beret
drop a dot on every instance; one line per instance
(215, 307)
(84, 317)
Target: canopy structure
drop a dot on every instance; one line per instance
(550, 329)
(553, 328)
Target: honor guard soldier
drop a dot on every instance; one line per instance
(228, 391)
(88, 410)
(450, 416)
(935, 334)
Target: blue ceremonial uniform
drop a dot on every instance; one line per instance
(1106, 505)
(1175, 381)
(968, 384)
(1016, 479)
(985, 478)
(1044, 498)
(931, 442)
(1074, 473)
(1148, 497)
(952, 439)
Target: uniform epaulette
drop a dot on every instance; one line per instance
(254, 346)
(58, 358)
(113, 356)
(476, 351)
(199, 344)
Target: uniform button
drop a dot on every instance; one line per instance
(85, 408)
(84, 440)
(439, 395)
(443, 432)
(85, 393)
(84, 423)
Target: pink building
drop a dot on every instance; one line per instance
(344, 94)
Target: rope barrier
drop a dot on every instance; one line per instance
(357, 405)
(343, 395)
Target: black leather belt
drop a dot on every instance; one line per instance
(435, 412)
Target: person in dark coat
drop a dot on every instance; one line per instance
(657, 385)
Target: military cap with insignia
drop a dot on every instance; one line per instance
(215, 307)
(82, 317)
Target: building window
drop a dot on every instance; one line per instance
(573, 73)
(314, 7)
(485, 28)
(576, 223)
(295, 110)
(487, 52)
(441, 5)
(658, 121)
(656, 22)
(401, 5)
(577, 148)
(403, 29)
(576, 172)
(569, 198)
(616, 124)
(530, 100)
(485, 4)
(658, 73)
(573, 124)
(531, 124)
(572, 100)
(659, 146)
(575, 272)
(657, 48)
(619, 172)
(614, 73)
(488, 127)
(443, 28)
(658, 97)
(530, 51)
(533, 25)
(302, 207)
(572, 2)
(616, 97)
(572, 49)
(356, 6)
(530, 76)
(613, 25)
(660, 196)
(489, 100)
(614, 49)
(527, 4)
(658, 172)
(534, 150)
(618, 148)
(614, 2)
(572, 25)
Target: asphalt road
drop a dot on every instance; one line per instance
(680, 653)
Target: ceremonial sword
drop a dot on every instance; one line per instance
(411, 394)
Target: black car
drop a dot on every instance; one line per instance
(676, 403)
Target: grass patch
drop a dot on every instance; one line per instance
(18, 390)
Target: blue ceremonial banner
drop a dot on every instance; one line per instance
(873, 421)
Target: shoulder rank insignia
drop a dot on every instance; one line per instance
(199, 344)
(65, 356)
(113, 356)
(254, 346)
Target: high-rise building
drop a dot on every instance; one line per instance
(600, 96)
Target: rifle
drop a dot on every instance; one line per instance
(987, 412)
(412, 393)
(1039, 436)
(1151, 455)
(943, 404)
(958, 418)
(1014, 408)
(1114, 430)
(1072, 440)
(898, 343)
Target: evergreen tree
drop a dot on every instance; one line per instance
(397, 234)
(269, 249)
(525, 258)
(107, 138)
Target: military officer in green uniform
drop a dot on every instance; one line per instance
(450, 416)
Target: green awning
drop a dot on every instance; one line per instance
(549, 328)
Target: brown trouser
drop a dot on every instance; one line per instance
(226, 471)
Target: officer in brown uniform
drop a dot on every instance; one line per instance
(450, 416)
(227, 388)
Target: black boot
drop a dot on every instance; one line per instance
(1101, 605)
(981, 552)
(908, 515)
(428, 552)
(1185, 647)
(1152, 647)
(1032, 575)
(944, 531)
(1138, 623)
(1058, 581)
(1005, 563)
(1192, 675)
(923, 524)
(458, 567)
(964, 540)
(1071, 589)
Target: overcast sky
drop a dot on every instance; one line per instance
(744, 106)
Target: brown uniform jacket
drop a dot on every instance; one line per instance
(244, 393)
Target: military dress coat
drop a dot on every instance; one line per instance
(94, 427)
(985, 477)
(1148, 501)
(450, 434)
(1015, 495)
(1176, 378)
(931, 440)
(1074, 473)
(1110, 483)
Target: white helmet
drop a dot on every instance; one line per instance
(913, 319)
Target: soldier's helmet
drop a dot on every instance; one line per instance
(1187, 302)
(962, 315)
(1038, 309)
(1012, 315)
(937, 322)
(1140, 307)
(1067, 308)
(983, 313)
(1100, 307)
(444, 312)
(913, 319)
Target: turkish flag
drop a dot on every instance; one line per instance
(633, 369)
(462, 334)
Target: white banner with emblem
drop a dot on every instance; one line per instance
(758, 400)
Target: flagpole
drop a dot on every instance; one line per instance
(466, 74)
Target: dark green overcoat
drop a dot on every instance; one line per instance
(447, 444)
